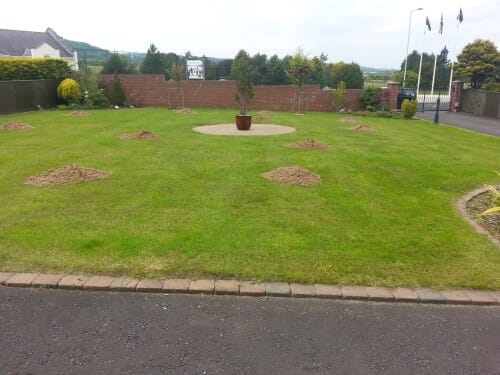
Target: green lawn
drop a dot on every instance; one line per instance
(196, 205)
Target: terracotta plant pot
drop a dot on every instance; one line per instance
(243, 122)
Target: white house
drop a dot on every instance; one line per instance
(32, 45)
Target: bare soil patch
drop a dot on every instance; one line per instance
(293, 175)
(78, 113)
(15, 125)
(184, 110)
(70, 174)
(349, 120)
(478, 204)
(362, 128)
(264, 115)
(142, 135)
(309, 144)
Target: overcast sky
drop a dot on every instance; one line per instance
(371, 33)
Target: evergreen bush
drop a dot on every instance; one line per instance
(409, 108)
(29, 69)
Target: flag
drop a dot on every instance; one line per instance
(441, 25)
(460, 17)
(427, 23)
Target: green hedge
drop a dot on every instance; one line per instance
(27, 69)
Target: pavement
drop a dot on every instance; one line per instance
(478, 124)
(47, 331)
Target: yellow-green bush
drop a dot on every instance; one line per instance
(69, 91)
(28, 69)
(409, 108)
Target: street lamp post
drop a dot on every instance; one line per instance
(408, 45)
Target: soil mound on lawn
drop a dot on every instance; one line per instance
(349, 120)
(78, 113)
(142, 135)
(480, 203)
(362, 128)
(293, 175)
(15, 125)
(70, 174)
(309, 144)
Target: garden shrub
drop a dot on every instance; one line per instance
(371, 96)
(409, 108)
(93, 95)
(28, 69)
(69, 91)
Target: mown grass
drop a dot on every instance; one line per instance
(196, 205)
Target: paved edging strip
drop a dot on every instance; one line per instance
(248, 288)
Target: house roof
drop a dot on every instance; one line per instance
(18, 43)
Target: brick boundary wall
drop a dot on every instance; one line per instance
(151, 90)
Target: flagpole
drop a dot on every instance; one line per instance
(420, 65)
(435, 58)
(460, 19)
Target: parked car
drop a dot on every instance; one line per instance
(405, 93)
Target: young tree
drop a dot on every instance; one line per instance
(178, 74)
(241, 72)
(299, 68)
(478, 63)
(349, 73)
(339, 99)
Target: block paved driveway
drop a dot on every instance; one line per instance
(485, 125)
(73, 332)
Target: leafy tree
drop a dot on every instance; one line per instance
(412, 79)
(351, 74)
(116, 63)
(242, 73)
(478, 63)
(299, 68)
(224, 68)
(259, 67)
(318, 70)
(154, 62)
(277, 71)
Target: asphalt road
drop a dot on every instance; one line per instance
(478, 124)
(71, 332)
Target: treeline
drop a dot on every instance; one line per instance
(267, 70)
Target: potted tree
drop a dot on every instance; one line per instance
(241, 72)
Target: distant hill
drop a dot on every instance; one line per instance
(95, 54)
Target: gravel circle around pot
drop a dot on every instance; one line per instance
(255, 130)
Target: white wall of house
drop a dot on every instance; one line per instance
(45, 51)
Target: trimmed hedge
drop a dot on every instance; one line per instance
(28, 69)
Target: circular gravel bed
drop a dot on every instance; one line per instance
(256, 129)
